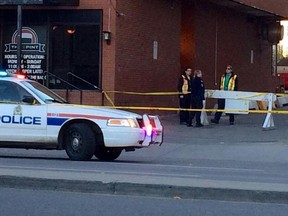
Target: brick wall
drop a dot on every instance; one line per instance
(223, 37)
(187, 35)
(88, 97)
(141, 23)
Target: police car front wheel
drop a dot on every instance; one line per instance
(79, 142)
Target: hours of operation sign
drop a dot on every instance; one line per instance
(33, 54)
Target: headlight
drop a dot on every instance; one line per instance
(122, 123)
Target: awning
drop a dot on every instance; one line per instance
(248, 9)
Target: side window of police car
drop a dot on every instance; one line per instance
(12, 93)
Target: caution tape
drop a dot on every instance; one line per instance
(108, 98)
(281, 94)
(206, 110)
(136, 93)
(208, 93)
(145, 93)
(247, 97)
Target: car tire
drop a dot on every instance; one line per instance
(107, 154)
(79, 141)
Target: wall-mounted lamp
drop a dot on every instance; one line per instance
(107, 36)
(70, 30)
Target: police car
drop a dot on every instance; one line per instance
(33, 117)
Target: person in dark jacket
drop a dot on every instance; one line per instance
(184, 89)
(197, 97)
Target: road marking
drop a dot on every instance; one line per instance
(136, 173)
(95, 171)
(192, 167)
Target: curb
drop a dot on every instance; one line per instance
(156, 190)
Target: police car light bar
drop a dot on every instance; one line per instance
(20, 75)
(3, 73)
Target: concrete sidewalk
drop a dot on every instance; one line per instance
(246, 132)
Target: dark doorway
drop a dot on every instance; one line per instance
(75, 56)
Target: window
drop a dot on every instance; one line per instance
(11, 92)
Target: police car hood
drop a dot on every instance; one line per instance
(93, 110)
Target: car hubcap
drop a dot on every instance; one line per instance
(76, 143)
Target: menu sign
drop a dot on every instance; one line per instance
(33, 54)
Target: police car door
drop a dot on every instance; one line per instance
(20, 121)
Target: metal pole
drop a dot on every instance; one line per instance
(19, 37)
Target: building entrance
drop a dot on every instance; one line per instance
(75, 55)
(55, 43)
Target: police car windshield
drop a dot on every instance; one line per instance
(43, 93)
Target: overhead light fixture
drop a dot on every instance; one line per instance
(107, 36)
(70, 30)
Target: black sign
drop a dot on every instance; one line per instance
(40, 2)
(33, 47)
(20, 2)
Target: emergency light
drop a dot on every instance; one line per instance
(149, 130)
(20, 75)
(3, 73)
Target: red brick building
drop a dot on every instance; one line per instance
(152, 41)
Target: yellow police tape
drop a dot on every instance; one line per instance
(136, 93)
(108, 98)
(211, 92)
(182, 109)
(177, 93)
(145, 93)
(206, 110)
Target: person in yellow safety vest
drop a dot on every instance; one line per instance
(184, 89)
(228, 82)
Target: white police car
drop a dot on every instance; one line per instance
(33, 117)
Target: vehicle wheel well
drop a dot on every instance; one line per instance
(97, 131)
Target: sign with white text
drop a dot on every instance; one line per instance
(33, 52)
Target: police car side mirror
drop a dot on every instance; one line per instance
(29, 100)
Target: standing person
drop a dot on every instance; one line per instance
(184, 89)
(197, 97)
(228, 82)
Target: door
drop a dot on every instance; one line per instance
(75, 56)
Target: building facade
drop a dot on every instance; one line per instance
(137, 46)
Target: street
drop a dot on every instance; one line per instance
(46, 203)
(112, 82)
(218, 162)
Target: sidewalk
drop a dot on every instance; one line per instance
(242, 148)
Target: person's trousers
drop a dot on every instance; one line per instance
(196, 104)
(185, 103)
(221, 105)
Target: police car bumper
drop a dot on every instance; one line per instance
(150, 133)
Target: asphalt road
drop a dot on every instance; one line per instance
(46, 203)
(238, 162)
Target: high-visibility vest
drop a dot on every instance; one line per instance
(231, 83)
(185, 86)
